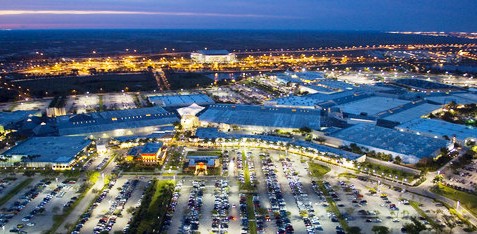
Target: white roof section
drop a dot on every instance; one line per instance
(412, 113)
(439, 128)
(193, 109)
(372, 105)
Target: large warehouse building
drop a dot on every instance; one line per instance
(410, 147)
(115, 123)
(9, 119)
(261, 117)
(58, 153)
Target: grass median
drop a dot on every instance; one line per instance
(317, 170)
(252, 224)
(150, 216)
(467, 200)
(431, 221)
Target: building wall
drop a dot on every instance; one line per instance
(55, 111)
(201, 58)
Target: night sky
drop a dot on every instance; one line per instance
(385, 15)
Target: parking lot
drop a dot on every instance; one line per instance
(121, 101)
(38, 104)
(270, 191)
(109, 211)
(33, 208)
(82, 103)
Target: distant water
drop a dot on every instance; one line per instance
(71, 43)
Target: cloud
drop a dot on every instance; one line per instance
(163, 13)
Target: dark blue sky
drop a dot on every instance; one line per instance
(386, 15)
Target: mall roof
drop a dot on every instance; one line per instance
(112, 120)
(214, 133)
(414, 112)
(213, 52)
(8, 118)
(181, 100)
(263, 116)
(457, 98)
(317, 98)
(390, 140)
(439, 128)
(61, 149)
(151, 148)
(371, 105)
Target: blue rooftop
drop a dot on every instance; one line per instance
(151, 148)
(50, 149)
(439, 128)
(213, 133)
(391, 140)
(263, 116)
(9, 118)
(111, 120)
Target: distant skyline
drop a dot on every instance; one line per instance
(381, 15)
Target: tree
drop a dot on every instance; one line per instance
(55, 209)
(24, 161)
(3, 159)
(397, 160)
(354, 230)
(380, 230)
(305, 129)
(444, 151)
(450, 222)
(415, 227)
(404, 213)
(31, 157)
(438, 179)
(321, 139)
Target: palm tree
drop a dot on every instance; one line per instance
(24, 160)
(404, 213)
(31, 157)
(3, 159)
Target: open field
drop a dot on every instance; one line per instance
(93, 84)
(187, 80)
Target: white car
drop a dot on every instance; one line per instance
(30, 224)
